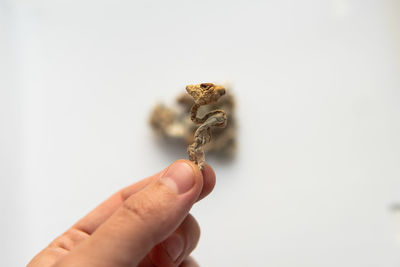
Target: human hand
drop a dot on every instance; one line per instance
(145, 224)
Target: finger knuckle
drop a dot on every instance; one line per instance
(145, 207)
(70, 239)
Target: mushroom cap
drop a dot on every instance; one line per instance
(205, 93)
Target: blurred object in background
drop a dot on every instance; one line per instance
(174, 123)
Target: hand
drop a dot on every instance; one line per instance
(145, 224)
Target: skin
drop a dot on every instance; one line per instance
(137, 225)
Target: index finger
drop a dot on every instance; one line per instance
(101, 213)
(90, 222)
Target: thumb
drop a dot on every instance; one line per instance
(145, 218)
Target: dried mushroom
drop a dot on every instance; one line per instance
(203, 94)
(207, 105)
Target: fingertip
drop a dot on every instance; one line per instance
(195, 168)
(205, 178)
(209, 180)
(197, 174)
(189, 262)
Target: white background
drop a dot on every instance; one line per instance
(318, 90)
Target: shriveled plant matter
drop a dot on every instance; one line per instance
(175, 129)
(204, 94)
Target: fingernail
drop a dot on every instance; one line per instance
(179, 177)
(174, 246)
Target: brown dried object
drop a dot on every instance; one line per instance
(175, 129)
(204, 94)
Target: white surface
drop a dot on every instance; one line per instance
(319, 92)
